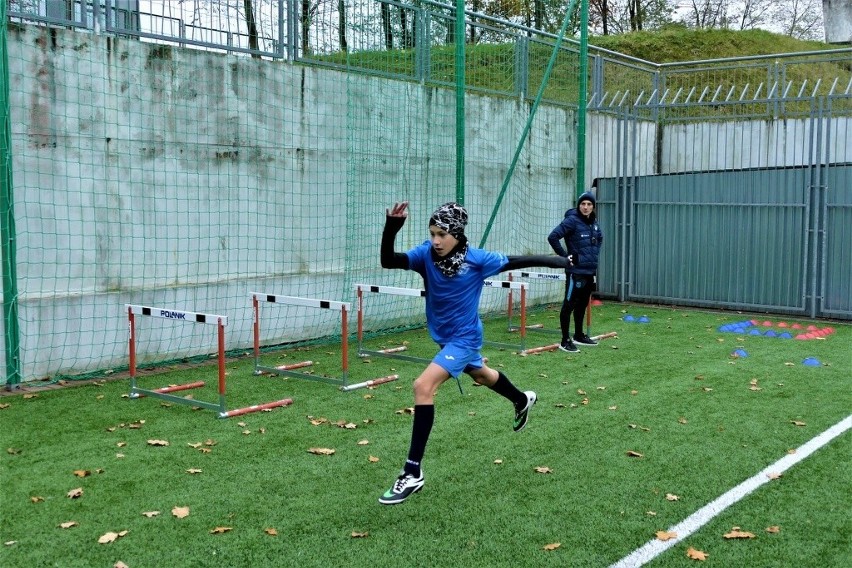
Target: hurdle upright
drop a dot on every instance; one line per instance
(164, 393)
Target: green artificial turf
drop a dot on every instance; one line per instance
(628, 438)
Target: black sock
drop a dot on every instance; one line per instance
(424, 417)
(504, 387)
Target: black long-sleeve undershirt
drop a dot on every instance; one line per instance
(392, 259)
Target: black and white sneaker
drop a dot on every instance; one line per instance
(584, 340)
(405, 485)
(568, 346)
(522, 415)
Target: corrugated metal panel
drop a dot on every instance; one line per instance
(731, 238)
(837, 290)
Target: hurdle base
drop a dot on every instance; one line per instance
(256, 408)
(136, 393)
(411, 358)
(300, 375)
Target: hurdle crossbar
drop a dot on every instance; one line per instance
(290, 370)
(164, 393)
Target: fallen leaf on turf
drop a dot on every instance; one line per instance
(205, 450)
(68, 524)
(4, 406)
(543, 469)
(363, 442)
(241, 424)
(119, 455)
(694, 554)
(356, 534)
(180, 512)
(150, 514)
(321, 451)
(10, 542)
(581, 392)
(28, 396)
(633, 454)
(193, 470)
(106, 538)
(797, 423)
(220, 530)
(671, 497)
(664, 536)
(773, 475)
(271, 532)
(158, 443)
(82, 472)
(36, 499)
(120, 444)
(552, 546)
(120, 564)
(74, 493)
(634, 392)
(737, 533)
(498, 461)
(195, 445)
(13, 451)
(409, 410)
(614, 407)
(651, 513)
(773, 529)
(682, 420)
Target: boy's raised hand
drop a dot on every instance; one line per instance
(399, 210)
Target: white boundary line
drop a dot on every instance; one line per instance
(702, 516)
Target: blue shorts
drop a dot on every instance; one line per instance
(457, 360)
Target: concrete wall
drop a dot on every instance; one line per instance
(837, 20)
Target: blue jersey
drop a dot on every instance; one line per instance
(452, 303)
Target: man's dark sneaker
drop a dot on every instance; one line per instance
(405, 485)
(584, 340)
(568, 346)
(522, 415)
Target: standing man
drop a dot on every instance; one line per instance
(583, 237)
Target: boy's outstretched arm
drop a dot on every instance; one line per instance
(394, 220)
(546, 260)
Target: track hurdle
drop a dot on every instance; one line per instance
(164, 393)
(510, 286)
(397, 352)
(393, 352)
(291, 370)
(542, 276)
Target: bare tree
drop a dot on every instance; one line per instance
(800, 19)
(252, 26)
(709, 13)
(755, 13)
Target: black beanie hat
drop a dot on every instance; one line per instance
(587, 196)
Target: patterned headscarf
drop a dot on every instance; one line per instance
(451, 217)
